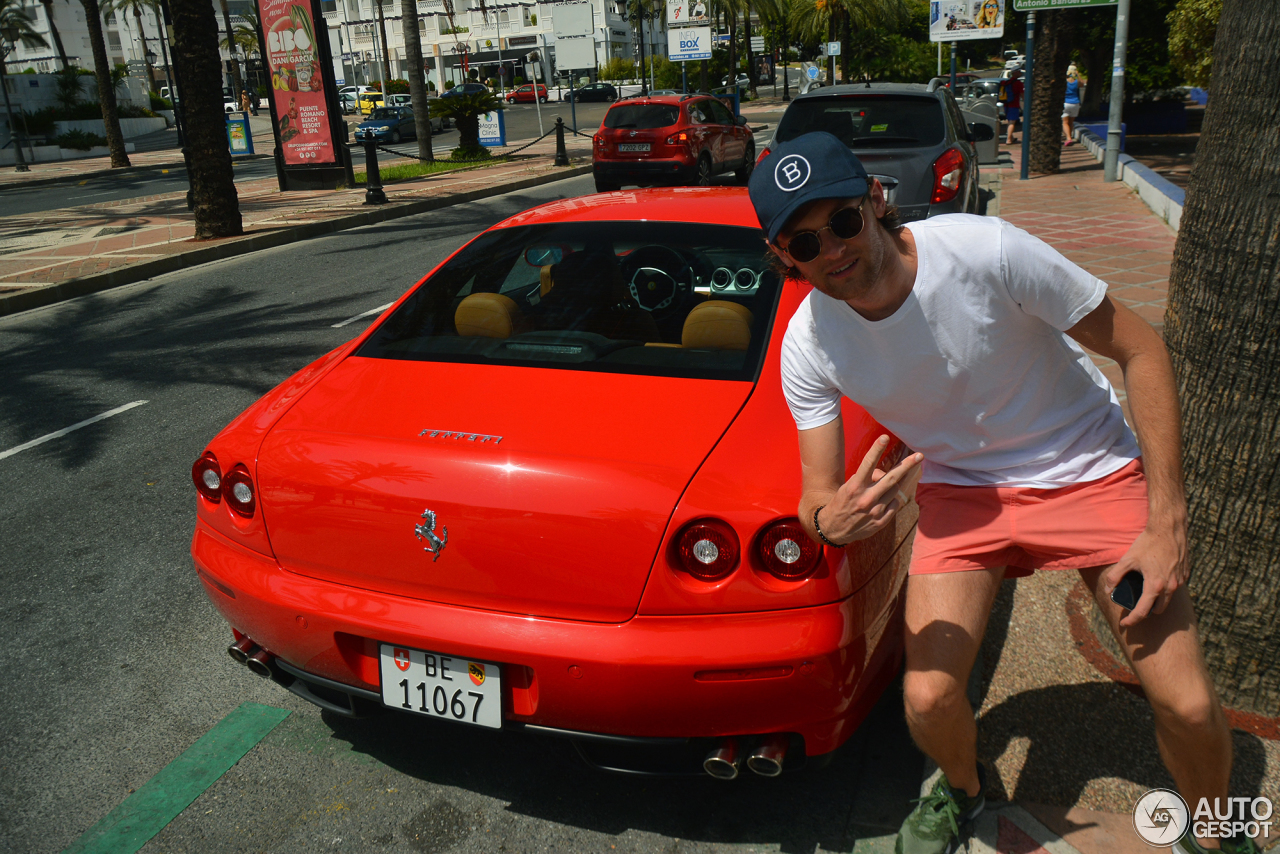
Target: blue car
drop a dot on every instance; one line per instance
(388, 124)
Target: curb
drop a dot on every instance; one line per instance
(1164, 197)
(108, 173)
(51, 294)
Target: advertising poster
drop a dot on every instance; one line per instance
(680, 12)
(689, 43)
(297, 87)
(962, 20)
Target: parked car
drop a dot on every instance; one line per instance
(619, 578)
(525, 94)
(742, 81)
(984, 86)
(438, 123)
(388, 124)
(670, 139)
(369, 101)
(347, 102)
(230, 104)
(464, 89)
(592, 92)
(910, 136)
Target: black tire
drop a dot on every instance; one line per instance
(606, 186)
(748, 165)
(395, 136)
(611, 97)
(542, 99)
(702, 177)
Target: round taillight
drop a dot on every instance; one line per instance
(707, 549)
(787, 552)
(237, 486)
(205, 475)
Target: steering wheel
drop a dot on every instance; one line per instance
(658, 277)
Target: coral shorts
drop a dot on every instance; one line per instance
(1072, 527)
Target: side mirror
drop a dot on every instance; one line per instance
(741, 120)
(981, 131)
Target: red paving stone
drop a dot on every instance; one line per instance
(1014, 840)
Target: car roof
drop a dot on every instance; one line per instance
(867, 89)
(711, 205)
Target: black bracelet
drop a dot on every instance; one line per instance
(818, 529)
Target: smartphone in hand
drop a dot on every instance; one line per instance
(1127, 593)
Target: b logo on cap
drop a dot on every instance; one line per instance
(791, 173)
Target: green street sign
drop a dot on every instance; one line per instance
(1036, 5)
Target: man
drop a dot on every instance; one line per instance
(1011, 94)
(963, 336)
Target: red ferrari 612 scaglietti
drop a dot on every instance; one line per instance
(553, 488)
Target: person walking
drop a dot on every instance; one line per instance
(1011, 94)
(1071, 104)
(964, 336)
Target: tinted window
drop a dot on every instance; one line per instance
(598, 296)
(642, 116)
(867, 121)
(720, 113)
(384, 114)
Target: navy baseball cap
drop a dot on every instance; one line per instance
(810, 167)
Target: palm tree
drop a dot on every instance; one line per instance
(465, 110)
(136, 7)
(15, 26)
(417, 85)
(53, 30)
(822, 19)
(236, 80)
(106, 86)
(199, 68)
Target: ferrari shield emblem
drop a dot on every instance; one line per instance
(402, 658)
(476, 672)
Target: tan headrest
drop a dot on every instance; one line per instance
(488, 316)
(717, 325)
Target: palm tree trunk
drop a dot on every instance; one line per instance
(106, 89)
(846, 27)
(702, 71)
(418, 86)
(751, 54)
(53, 29)
(237, 82)
(1224, 297)
(142, 37)
(386, 56)
(195, 56)
(831, 60)
(733, 48)
(1053, 54)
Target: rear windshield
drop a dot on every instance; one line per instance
(867, 121)
(642, 116)
(605, 296)
(384, 113)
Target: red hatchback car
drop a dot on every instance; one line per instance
(524, 94)
(670, 139)
(553, 489)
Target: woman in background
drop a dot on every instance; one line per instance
(1071, 104)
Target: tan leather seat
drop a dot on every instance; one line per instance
(717, 325)
(488, 316)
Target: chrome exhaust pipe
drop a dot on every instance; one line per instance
(260, 663)
(766, 760)
(241, 650)
(723, 762)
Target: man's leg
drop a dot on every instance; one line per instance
(1191, 730)
(946, 616)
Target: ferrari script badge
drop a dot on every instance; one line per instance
(427, 531)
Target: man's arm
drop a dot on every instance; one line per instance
(1112, 330)
(854, 509)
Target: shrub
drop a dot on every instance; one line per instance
(618, 68)
(29, 71)
(131, 111)
(397, 87)
(80, 140)
(40, 123)
(448, 84)
(158, 103)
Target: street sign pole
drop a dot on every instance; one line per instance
(953, 66)
(1111, 158)
(1026, 97)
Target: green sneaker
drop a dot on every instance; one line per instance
(1235, 845)
(940, 820)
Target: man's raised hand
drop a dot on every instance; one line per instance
(868, 500)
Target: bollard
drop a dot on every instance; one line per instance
(562, 156)
(373, 194)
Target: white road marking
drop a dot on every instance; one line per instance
(65, 430)
(379, 310)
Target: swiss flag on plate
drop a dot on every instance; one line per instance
(402, 658)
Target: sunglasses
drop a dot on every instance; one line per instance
(845, 224)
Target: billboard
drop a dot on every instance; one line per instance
(688, 43)
(297, 86)
(963, 20)
(681, 12)
(573, 18)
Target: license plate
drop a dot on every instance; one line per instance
(441, 686)
(633, 146)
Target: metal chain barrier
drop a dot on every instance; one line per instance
(490, 159)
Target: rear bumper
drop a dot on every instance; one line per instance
(645, 171)
(815, 672)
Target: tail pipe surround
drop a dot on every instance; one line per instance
(260, 663)
(766, 760)
(723, 762)
(241, 650)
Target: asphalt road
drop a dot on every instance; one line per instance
(115, 662)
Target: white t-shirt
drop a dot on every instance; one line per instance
(973, 370)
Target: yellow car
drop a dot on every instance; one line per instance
(368, 101)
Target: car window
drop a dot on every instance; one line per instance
(611, 297)
(384, 114)
(720, 113)
(867, 121)
(642, 116)
(700, 112)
